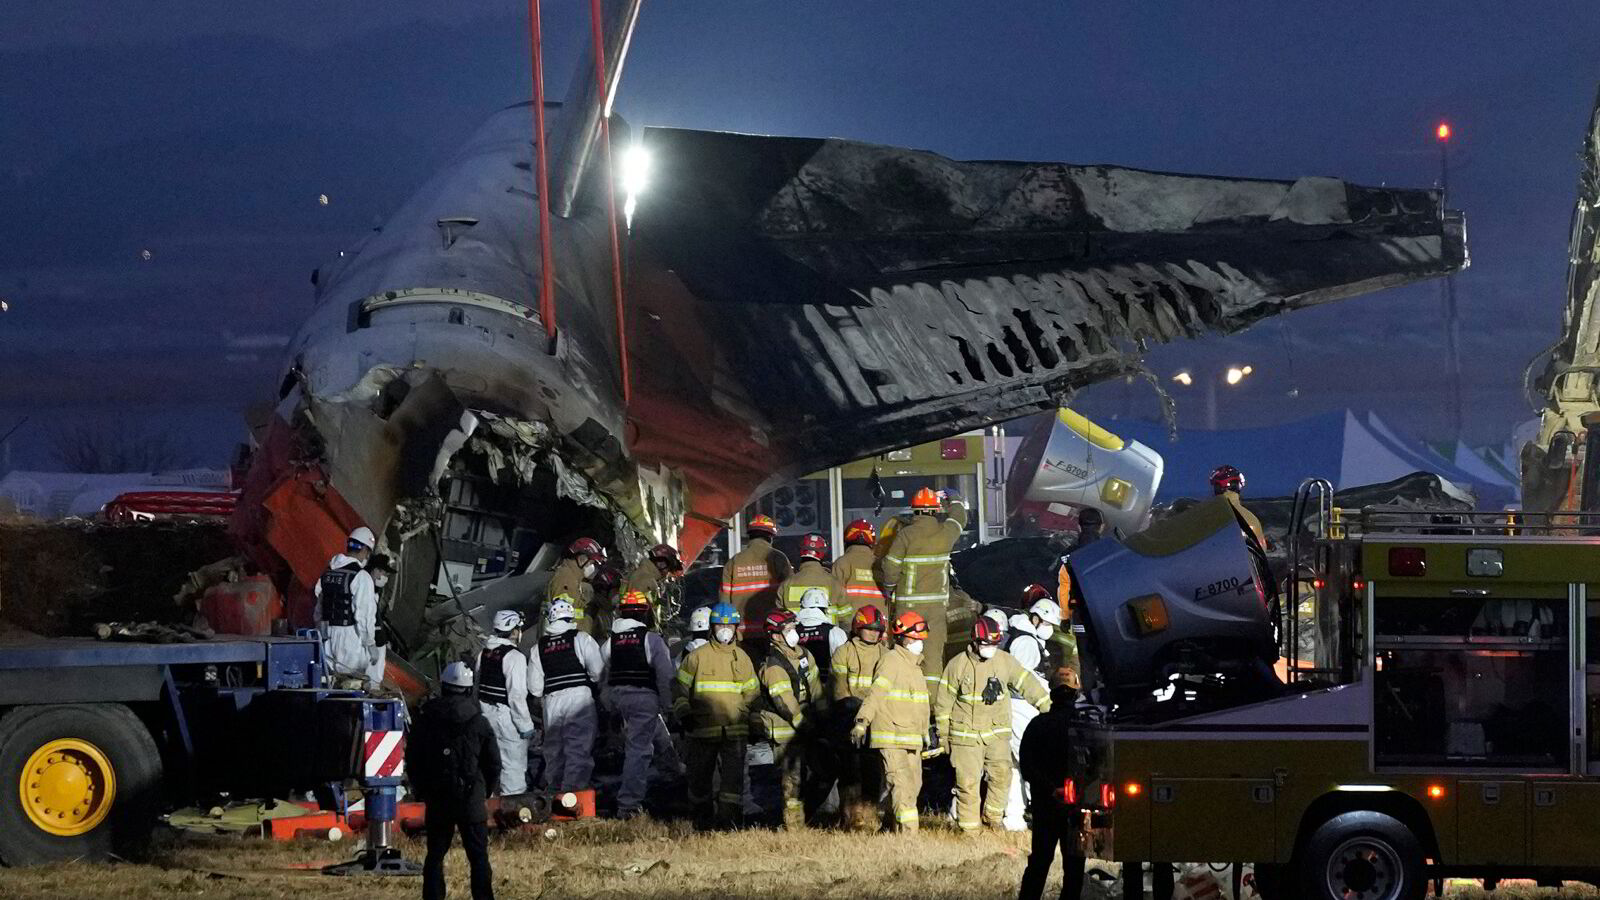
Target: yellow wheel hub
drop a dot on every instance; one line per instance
(67, 787)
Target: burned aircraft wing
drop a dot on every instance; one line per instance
(799, 303)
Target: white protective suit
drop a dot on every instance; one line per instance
(570, 718)
(510, 721)
(644, 727)
(352, 650)
(1029, 651)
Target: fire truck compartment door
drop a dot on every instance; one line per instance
(1491, 823)
(1212, 819)
(1561, 815)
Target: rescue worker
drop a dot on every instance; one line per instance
(347, 611)
(1091, 524)
(1028, 641)
(574, 577)
(712, 697)
(893, 719)
(1227, 481)
(855, 574)
(818, 635)
(1046, 765)
(916, 570)
(791, 696)
(810, 575)
(503, 697)
(639, 687)
(658, 576)
(564, 674)
(451, 760)
(972, 713)
(855, 667)
(750, 581)
(699, 632)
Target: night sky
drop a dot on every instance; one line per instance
(204, 133)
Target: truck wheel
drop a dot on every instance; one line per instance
(76, 782)
(1361, 856)
(1272, 881)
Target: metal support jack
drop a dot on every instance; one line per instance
(383, 769)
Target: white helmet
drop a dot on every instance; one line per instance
(1047, 611)
(700, 619)
(816, 598)
(998, 617)
(457, 674)
(364, 537)
(507, 621)
(561, 609)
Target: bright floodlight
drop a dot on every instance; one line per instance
(1183, 378)
(1443, 131)
(1236, 374)
(635, 177)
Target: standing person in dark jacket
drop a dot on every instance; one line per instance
(1044, 758)
(452, 757)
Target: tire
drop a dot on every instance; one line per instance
(1272, 881)
(103, 746)
(1361, 856)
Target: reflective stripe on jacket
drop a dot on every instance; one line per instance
(811, 574)
(714, 689)
(917, 567)
(962, 712)
(896, 709)
(755, 571)
(856, 579)
(788, 694)
(855, 667)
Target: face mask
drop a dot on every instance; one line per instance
(589, 569)
(724, 635)
(1044, 631)
(987, 651)
(792, 638)
(380, 581)
(914, 646)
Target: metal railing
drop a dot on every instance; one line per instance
(1320, 491)
(1484, 523)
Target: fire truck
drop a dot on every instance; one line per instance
(1429, 718)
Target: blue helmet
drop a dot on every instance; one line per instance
(724, 614)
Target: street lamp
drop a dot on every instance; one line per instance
(1232, 376)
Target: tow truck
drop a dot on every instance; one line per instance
(1430, 716)
(98, 738)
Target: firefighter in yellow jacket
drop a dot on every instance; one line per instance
(791, 705)
(712, 698)
(658, 575)
(895, 715)
(972, 712)
(916, 570)
(855, 574)
(573, 578)
(810, 574)
(750, 581)
(855, 668)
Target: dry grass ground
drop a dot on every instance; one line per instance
(595, 859)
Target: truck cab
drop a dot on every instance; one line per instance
(1429, 716)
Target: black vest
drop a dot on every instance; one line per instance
(558, 653)
(1044, 668)
(815, 639)
(338, 597)
(492, 675)
(630, 666)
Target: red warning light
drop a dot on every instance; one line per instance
(1443, 131)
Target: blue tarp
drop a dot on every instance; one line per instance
(1345, 447)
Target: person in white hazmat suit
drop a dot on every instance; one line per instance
(347, 612)
(564, 674)
(818, 634)
(699, 633)
(1028, 641)
(639, 675)
(503, 697)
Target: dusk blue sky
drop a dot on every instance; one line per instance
(204, 132)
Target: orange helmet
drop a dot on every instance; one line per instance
(813, 546)
(925, 499)
(987, 632)
(762, 525)
(634, 601)
(868, 618)
(860, 532)
(911, 624)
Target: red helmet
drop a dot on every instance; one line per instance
(634, 602)
(911, 624)
(777, 619)
(987, 632)
(762, 525)
(607, 579)
(813, 546)
(666, 555)
(1226, 478)
(925, 499)
(860, 532)
(587, 547)
(1033, 593)
(867, 618)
